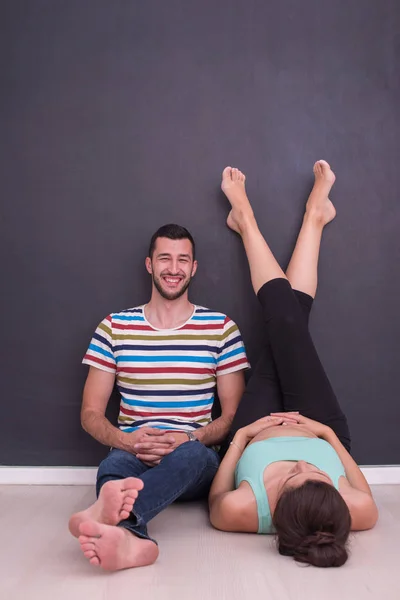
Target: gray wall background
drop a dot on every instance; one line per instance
(117, 117)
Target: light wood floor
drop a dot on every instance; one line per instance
(40, 560)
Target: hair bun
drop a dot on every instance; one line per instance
(319, 538)
(323, 538)
(322, 550)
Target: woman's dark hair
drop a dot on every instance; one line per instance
(312, 523)
(172, 232)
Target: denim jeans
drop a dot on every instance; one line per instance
(185, 474)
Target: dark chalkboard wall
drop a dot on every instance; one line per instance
(118, 116)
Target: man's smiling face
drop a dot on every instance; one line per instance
(171, 267)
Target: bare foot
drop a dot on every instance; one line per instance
(234, 189)
(114, 548)
(113, 505)
(318, 205)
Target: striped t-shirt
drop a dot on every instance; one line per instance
(166, 377)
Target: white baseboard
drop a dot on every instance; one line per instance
(381, 475)
(47, 475)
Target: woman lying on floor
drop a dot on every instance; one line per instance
(290, 473)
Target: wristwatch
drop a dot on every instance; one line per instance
(191, 436)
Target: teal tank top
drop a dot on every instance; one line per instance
(259, 455)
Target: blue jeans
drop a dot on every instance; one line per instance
(185, 474)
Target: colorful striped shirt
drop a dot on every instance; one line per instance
(166, 377)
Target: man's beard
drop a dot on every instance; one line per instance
(170, 295)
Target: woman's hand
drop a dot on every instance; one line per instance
(317, 428)
(250, 431)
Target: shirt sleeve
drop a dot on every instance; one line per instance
(100, 352)
(232, 354)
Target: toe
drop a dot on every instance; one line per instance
(83, 539)
(94, 561)
(131, 496)
(87, 546)
(129, 499)
(90, 554)
(227, 173)
(324, 164)
(318, 170)
(133, 484)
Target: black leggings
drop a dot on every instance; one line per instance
(289, 375)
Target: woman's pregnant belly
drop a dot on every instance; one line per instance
(283, 431)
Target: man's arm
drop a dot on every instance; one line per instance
(98, 388)
(96, 394)
(230, 383)
(230, 391)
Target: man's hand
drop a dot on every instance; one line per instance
(146, 435)
(153, 448)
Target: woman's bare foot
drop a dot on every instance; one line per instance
(113, 505)
(114, 548)
(318, 206)
(233, 186)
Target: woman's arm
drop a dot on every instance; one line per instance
(356, 493)
(230, 509)
(235, 509)
(353, 472)
(224, 481)
(355, 489)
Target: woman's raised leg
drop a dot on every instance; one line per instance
(302, 271)
(302, 379)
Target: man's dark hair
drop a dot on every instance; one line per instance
(312, 523)
(172, 232)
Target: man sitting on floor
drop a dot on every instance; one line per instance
(167, 357)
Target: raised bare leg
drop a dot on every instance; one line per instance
(302, 271)
(302, 380)
(263, 265)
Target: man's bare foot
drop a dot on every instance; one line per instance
(114, 548)
(113, 505)
(233, 186)
(318, 206)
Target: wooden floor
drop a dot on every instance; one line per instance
(40, 560)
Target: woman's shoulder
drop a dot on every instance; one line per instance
(362, 507)
(236, 511)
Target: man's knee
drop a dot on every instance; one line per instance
(114, 459)
(118, 464)
(196, 454)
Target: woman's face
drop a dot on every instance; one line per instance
(302, 472)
